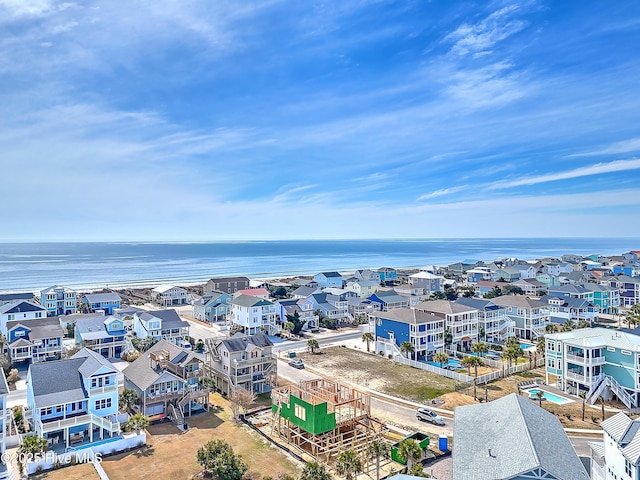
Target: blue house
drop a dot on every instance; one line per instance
(328, 279)
(36, 340)
(387, 275)
(73, 402)
(423, 330)
(212, 307)
(102, 301)
(389, 300)
(104, 335)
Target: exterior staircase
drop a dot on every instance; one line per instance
(176, 415)
(604, 381)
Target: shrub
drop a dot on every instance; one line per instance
(381, 353)
(390, 356)
(13, 376)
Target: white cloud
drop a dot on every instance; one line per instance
(482, 36)
(442, 192)
(625, 146)
(596, 169)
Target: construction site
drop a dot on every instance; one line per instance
(318, 419)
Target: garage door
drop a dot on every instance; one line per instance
(155, 409)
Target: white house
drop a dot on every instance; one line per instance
(617, 457)
(363, 288)
(160, 324)
(19, 310)
(255, 314)
(169, 295)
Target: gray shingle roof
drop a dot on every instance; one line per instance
(102, 297)
(518, 301)
(60, 381)
(240, 343)
(250, 301)
(169, 317)
(20, 306)
(95, 328)
(511, 436)
(140, 372)
(12, 297)
(407, 315)
(4, 387)
(444, 306)
(40, 327)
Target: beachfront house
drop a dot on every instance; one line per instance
(19, 310)
(36, 340)
(519, 441)
(363, 288)
(365, 275)
(424, 331)
(169, 296)
(494, 326)
(106, 302)
(328, 279)
(73, 402)
(104, 335)
(506, 274)
(387, 275)
(226, 284)
(595, 361)
(160, 324)
(628, 288)
(243, 361)
(59, 300)
(167, 380)
(212, 307)
(460, 320)
(617, 456)
(530, 316)
(255, 315)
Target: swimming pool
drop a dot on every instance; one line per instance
(453, 364)
(549, 396)
(526, 346)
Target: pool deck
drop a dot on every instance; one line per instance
(554, 390)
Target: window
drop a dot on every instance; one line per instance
(300, 412)
(46, 411)
(611, 349)
(102, 404)
(626, 352)
(627, 467)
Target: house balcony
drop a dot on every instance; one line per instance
(584, 379)
(103, 389)
(579, 359)
(45, 426)
(16, 357)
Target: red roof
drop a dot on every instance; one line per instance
(256, 292)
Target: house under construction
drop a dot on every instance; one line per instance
(322, 418)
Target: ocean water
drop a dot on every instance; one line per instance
(33, 266)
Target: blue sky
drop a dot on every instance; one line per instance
(214, 120)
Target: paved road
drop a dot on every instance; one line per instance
(581, 444)
(403, 416)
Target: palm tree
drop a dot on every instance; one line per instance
(127, 399)
(137, 422)
(315, 471)
(480, 348)
(409, 450)
(551, 328)
(313, 345)
(348, 464)
(407, 348)
(540, 345)
(583, 323)
(583, 396)
(367, 337)
(540, 396)
(474, 362)
(378, 449)
(512, 342)
(568, 326)
(441, 358)
(32, 446)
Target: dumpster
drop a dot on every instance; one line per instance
(292, 354)
(421, 438)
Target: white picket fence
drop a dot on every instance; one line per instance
(460, 377)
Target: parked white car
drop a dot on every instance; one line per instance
(425, 415)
